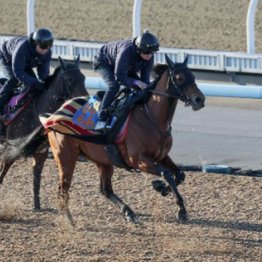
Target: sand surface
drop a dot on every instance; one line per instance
(225, 219)
(205, 24)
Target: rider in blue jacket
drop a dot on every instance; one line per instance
(18, 57)
(125, 62)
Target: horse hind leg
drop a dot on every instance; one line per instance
(65, 161)
(63, 196)
(66, 174)
(106, 172)
(4, 167)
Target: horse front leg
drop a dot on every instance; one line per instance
(147, 165)
(39, 158)
(168, 163)
(167, 175)
(159, 185)
(106, 173)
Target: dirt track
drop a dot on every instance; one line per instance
(225, 219)
(225, 211)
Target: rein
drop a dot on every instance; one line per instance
(178, 94)
(161, 93)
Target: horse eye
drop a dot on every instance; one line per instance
(180, 79)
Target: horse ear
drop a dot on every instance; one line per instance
(77, 60)
(186, 60)
(169, 62)
(62, 63)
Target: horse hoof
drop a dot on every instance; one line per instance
(161, 187)
(182, 216)
(132, 218)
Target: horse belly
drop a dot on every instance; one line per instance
(94, 152)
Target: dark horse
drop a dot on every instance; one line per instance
(24, 136)
(146, 144)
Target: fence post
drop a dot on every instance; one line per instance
(136, 17)
(250, 27)
(30, 16)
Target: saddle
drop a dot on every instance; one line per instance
(21, 97)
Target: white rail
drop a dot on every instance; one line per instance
(209, 89)
(197, 59)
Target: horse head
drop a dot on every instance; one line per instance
(68, 80)
(182, 84)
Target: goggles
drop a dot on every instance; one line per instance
(148, 52)
(46, 44)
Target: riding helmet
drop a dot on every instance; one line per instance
(147, 43)
(43, 37)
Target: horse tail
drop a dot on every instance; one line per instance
(13, 148)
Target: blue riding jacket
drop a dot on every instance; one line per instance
(20, 54)
(125, 60)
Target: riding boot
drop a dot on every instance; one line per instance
(6, 92)
(103, 115)
(108, 75)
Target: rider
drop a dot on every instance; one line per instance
(18, 57)
(120, 62)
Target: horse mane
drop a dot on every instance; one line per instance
(50, 78)
(156, 73)
(158, 70)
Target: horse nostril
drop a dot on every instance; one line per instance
(198, 100)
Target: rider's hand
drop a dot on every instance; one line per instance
(39, 86)
(140, 84)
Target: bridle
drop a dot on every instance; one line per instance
(66, 93)
(173, 91)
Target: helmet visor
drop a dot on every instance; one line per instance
(46, 44)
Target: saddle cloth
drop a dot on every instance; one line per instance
(77, 117)
(18, 102)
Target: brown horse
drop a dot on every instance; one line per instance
(146, 145)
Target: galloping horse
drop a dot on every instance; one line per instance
(24, 136)
(146, 144)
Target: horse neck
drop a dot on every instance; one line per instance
(160, 106)
(46, 102)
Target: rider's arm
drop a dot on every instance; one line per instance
(122, 64)
(43, 70)
(18, 65)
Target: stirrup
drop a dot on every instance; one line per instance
(100, 125)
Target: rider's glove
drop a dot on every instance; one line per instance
(140, 84)
(39, 86)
